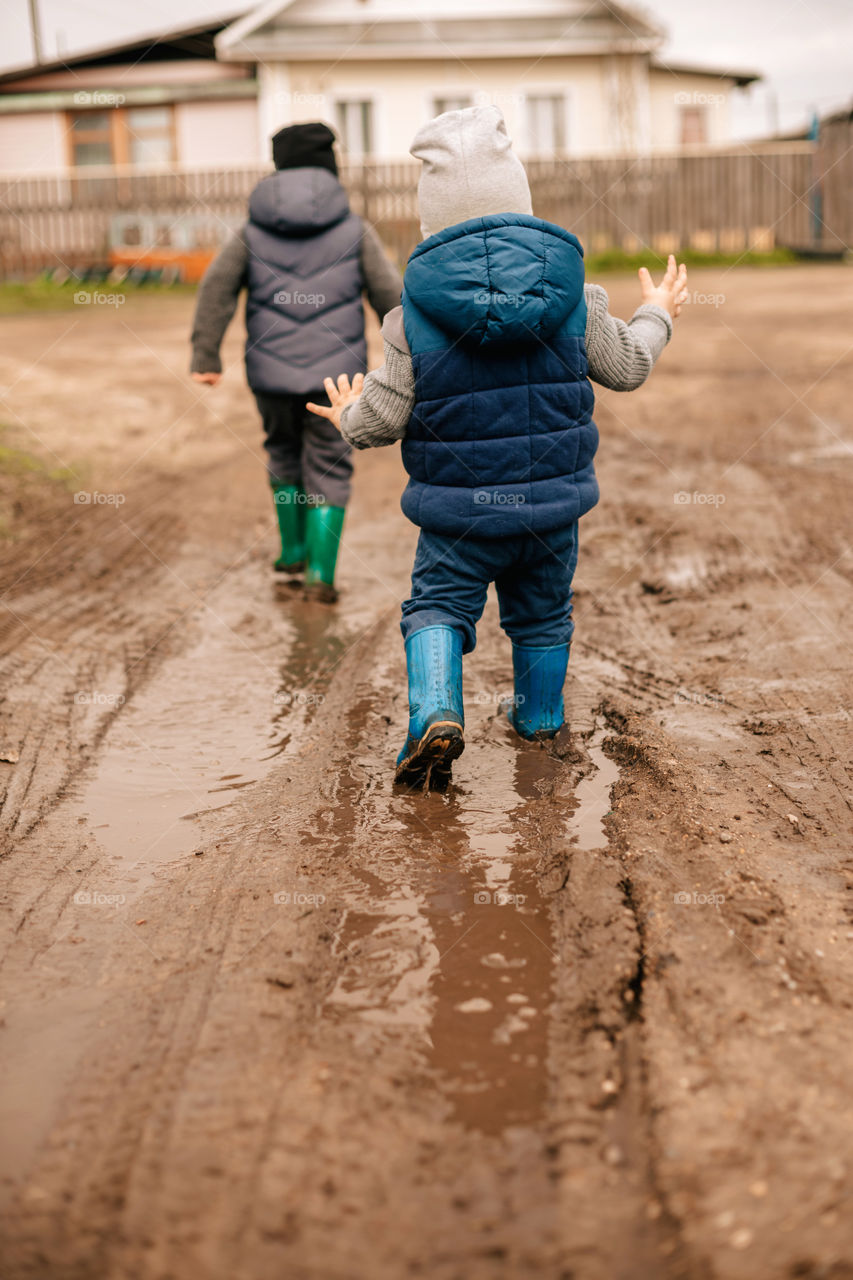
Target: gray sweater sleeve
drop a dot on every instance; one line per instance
(216, 303)
(621, 356)
(381, 414)
(382, 281)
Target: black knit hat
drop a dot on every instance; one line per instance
(304, 146)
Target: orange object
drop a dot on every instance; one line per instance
(191, 263)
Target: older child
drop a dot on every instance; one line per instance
(305, 260)
(486, 383)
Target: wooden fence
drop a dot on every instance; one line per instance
(747, 197)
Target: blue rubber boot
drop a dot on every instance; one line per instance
(436, 718)
(537, 708)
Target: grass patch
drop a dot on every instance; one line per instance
(17, 462)
(618, 260)
(44, 294)
(28, 485)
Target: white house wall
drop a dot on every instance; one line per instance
(211, 133)
(668, 93)
(32, 142)
(404, 93)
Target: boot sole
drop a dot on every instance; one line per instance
(430, 764)
(319, 593)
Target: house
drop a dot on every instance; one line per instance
(160, 101)
(573, 77)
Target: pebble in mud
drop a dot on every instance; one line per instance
(477, 1005)
(741, 1239)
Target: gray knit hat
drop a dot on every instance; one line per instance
(469, 169)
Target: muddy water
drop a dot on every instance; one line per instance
(213, 722)
(447, 931)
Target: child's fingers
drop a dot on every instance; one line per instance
(343, 385)
(322, 410)
(358, 383)
(671, 272)
(331, 389)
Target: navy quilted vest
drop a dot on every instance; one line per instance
(501, 440)
(304, 315)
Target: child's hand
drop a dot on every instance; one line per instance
(209, 379)
(671, 293)
(340, 396)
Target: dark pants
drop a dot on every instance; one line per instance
(303, 449)
(532, 575)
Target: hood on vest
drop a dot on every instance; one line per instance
(298, 202)
(502, 278)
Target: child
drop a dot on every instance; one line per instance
(305, 260)
(485, 382)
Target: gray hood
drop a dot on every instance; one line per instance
(298, 202)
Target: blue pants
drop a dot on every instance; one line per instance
(532, 575)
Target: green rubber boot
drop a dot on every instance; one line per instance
(323, 527)
(290, 507)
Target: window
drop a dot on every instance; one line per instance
(546, 123)
(149, 132)
(91, 138)
(458, 103)
(694, 125)
(122, 135)
(355, 127)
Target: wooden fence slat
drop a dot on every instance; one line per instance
(673, 200)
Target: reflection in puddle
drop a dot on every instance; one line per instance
(210, 724)
(592, 796)
(450, 934)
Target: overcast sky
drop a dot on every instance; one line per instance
(803, 47)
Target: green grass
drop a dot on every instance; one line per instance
(618, 260)
(17, 462)
(25, 482)
(43, 294)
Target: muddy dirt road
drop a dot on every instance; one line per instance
(580, 1018)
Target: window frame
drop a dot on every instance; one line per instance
(120, 135)
(357, 100)
(561, 99)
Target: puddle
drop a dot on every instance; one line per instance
(449, 933)
(50, 1033)
(211, 723)
(592, 796)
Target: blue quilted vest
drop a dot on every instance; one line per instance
(501, 440)
(304, 314)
